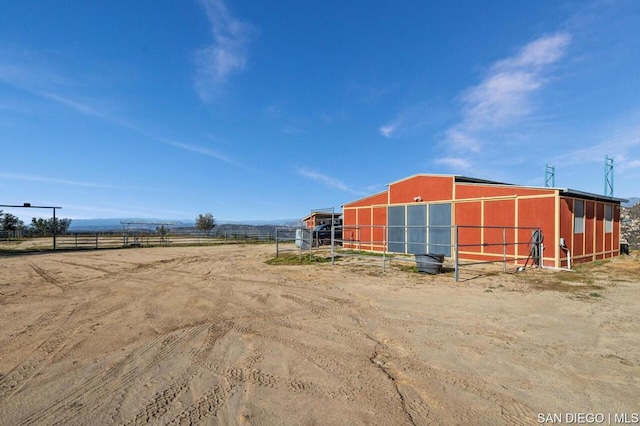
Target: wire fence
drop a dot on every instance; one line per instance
(470, 250)
(105, 240)
(461, 249)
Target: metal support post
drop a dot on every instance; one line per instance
(55, 225)
(333, 240)
(456, 264)
(504, 249)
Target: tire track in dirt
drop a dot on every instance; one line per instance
(214, 332)
(110, 387)
(259, 297)
(94, 394)
(41, 323)
(234, 377)
(316, 355)
(162, 402)
(345, 336)
(207, 405)
(355, 313)
(48, 278)
(24, 371)
(81, 265)
(440, 392)
(240, 374)
(171, 324)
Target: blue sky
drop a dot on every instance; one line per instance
(265, 110)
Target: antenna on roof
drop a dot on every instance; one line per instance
(608, 176)
(549, 176)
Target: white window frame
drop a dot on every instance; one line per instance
(578, 219)
(608, 218)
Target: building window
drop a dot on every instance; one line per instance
(578, 216)
(608, 218)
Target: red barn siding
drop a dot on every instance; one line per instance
(498, 214)
(566, 227)
(589, 227)
(379, 198)
(539, 213)
(349, 224)
(364, 228)
(468, 213)
(466, 190)
(599, 231)
(430, 188)
(380, 221)
(493, 207)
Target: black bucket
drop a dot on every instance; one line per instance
(624, 248)
(429, 263)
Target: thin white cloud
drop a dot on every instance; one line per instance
(292, 130)
(201, 150)
(227, 54)
(543, 51)
(454, 163)
(58, 181)
(630, 165)
(501, 99)
(462, 141)
(80, 107)
(413, 119)
(504, 95)
(32, 79)
(388, 130)
(325, 180)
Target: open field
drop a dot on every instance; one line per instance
(213, 335)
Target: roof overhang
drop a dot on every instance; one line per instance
(590, 196)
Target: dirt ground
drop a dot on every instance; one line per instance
(213, 335)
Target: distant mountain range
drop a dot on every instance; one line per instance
(113, 224)
(632, 202)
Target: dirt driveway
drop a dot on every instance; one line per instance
(213, 335)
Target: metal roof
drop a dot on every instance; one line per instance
(466, 179)
(589, 196)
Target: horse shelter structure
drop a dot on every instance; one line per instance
(481, 220)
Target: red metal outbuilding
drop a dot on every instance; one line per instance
(425, 211)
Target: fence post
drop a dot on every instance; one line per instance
(96, 240)
(277, 248)
(456, 264)
(385, 247)
(333, 240)
(76, 235)
(504, 249)
(540, 249)
(384, 259)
